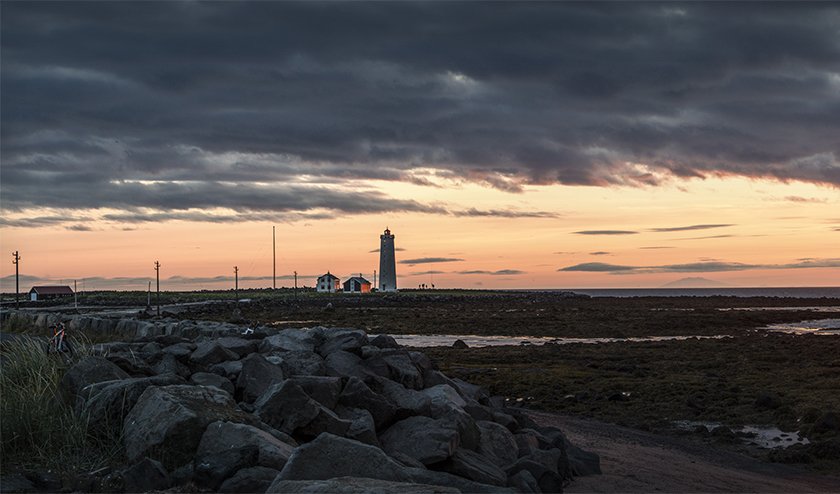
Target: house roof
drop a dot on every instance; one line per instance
(328, 274)
(52, 290)
(360, 280)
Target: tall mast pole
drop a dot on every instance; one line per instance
(17, 284)
(236, 292)
(274, 249)
(157, 273)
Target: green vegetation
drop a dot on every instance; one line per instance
(40, 432)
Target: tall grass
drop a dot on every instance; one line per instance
(40, 432)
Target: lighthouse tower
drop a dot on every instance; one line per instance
(387, 263)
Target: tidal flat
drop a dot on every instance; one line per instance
(709, 390)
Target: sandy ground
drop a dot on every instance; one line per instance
(635, 461)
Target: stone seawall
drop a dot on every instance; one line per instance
(127, 326)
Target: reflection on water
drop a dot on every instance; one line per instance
(812, 309)
(485, 341)
(765, 437)
(817, 326)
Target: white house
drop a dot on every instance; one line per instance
(328, 283)
(357, 284)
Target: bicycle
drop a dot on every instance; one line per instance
(58, 344)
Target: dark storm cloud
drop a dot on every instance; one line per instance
(685, 228)
(428, 260)
(156, 105)
(699, 267)
(501, 272)
(606, 232)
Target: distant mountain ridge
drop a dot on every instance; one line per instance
(696, 283)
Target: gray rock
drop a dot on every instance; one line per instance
(249, 480)
(402, 370)
(431, 477)
(325, 421)
(304, 363)
(230, 369)
(348, 341)
(355, 485)
(111, 401)
(239, 346)
(89, 371)
(362, 427)
(16, 483)
(211, 353)
(473, 392)
(210, 469)
(473, 466)
(582, 463)
(422, 438)
(497, 443)
(406, 402)
(330, 456)
(167, 422)
(210, 379)
(370, 351)
(345, 364)
(385, 341)
(220, 436)
(180, 351)
(446, 405)
(167, 363)
(524, 482)
(285, 342)
(323, 389)
(285, 406)
(356, 394)
(146, 475)
(547, 479)
(257, 375)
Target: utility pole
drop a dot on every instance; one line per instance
(75, 296)
(17, 284)
(157, 271)
(236, 293)
(274, 250)
(374, 279)
(295, 284)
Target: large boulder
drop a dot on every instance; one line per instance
(211, 353)
(356, 394)
(401, 369)
(288, 408)
(425, 439)
(211, 468)
(166, 363)
(146, 475)
(167, 422)
(239, 346)
(323, 389)
(406, 402)
(330, 456)
(345, 364)
(286, 342)
(347, 340)
(473, 466)
(219, 436)
(257, 375)
(89, 371)
(249, 480)
(111, 401)
(304, 363)
(362, 426)
(355, 485)
(497, 443)
(215, 380)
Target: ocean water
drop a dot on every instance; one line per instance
(794, 292)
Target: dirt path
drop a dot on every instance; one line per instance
(635, 461)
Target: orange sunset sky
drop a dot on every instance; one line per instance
(506, 145)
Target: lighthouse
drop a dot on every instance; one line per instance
(387, 263)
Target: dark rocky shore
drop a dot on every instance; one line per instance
(749, 376)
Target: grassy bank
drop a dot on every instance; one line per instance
(39, 431)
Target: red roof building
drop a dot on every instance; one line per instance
(47, 292)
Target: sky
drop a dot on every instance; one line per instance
(505, 144)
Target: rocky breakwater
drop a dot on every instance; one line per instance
(309, 410)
